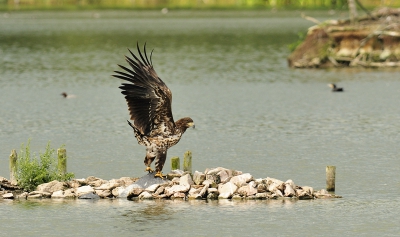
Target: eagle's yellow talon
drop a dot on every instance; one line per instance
(149, 169)
(159, 174)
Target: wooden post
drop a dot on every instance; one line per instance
(187, 161)
(13, 166)
(62, 161)
(175, 163)
(330, 178)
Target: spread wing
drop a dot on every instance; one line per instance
(148, 98)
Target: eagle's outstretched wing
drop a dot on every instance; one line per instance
(148, 98)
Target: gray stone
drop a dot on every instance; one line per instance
(148, 180)
(198, 177)
(89, 196)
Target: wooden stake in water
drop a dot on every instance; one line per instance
(13, 166)
(330, 178)
(187, 161)
(62, 161)
(175, 163)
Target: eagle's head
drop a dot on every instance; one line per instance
(184, 123)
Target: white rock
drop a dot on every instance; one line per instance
(145, 195)
(186, 180)
(224, 176)
(291, 183)
(152, 188)
(8, 196)
(83, 190)
(198, 177)
(289, 191)
(169, 191)
(51, 186)
(248, 190)
(116, 192)
(227, 190)
(58, 194)
(241, 179)
(179, 195)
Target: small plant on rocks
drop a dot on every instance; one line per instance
(33, 170)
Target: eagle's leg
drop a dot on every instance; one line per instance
(147, 161)
(161, 157)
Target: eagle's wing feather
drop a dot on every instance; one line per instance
(147, 96)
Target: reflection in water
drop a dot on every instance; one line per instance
(153, 211)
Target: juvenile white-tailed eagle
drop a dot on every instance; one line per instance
(149, 102)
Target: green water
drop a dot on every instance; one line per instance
(227, 71)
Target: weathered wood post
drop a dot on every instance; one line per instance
(175, 163)
(13, 166)
(187, 161)
(330, 178)
(62, 161)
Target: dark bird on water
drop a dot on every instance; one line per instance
(149, 103)
(65, 95)
(334, 88)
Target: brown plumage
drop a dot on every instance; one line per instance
(149, 103)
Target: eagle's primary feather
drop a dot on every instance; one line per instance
(149, 103)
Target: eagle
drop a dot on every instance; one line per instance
(149, 103)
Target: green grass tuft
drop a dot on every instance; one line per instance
(33, 170)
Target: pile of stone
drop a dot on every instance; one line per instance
(217, 183)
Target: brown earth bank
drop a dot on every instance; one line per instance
(216, 183)
(370, 41)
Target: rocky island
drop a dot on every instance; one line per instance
(371, 41)
(215, 183)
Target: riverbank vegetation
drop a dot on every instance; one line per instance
(186, 4)
(32, 170)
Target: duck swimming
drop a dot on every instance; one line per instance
(66, 96)
(334, 88)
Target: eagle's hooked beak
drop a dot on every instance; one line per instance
(191, 125)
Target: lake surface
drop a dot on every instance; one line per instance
(228, 71)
